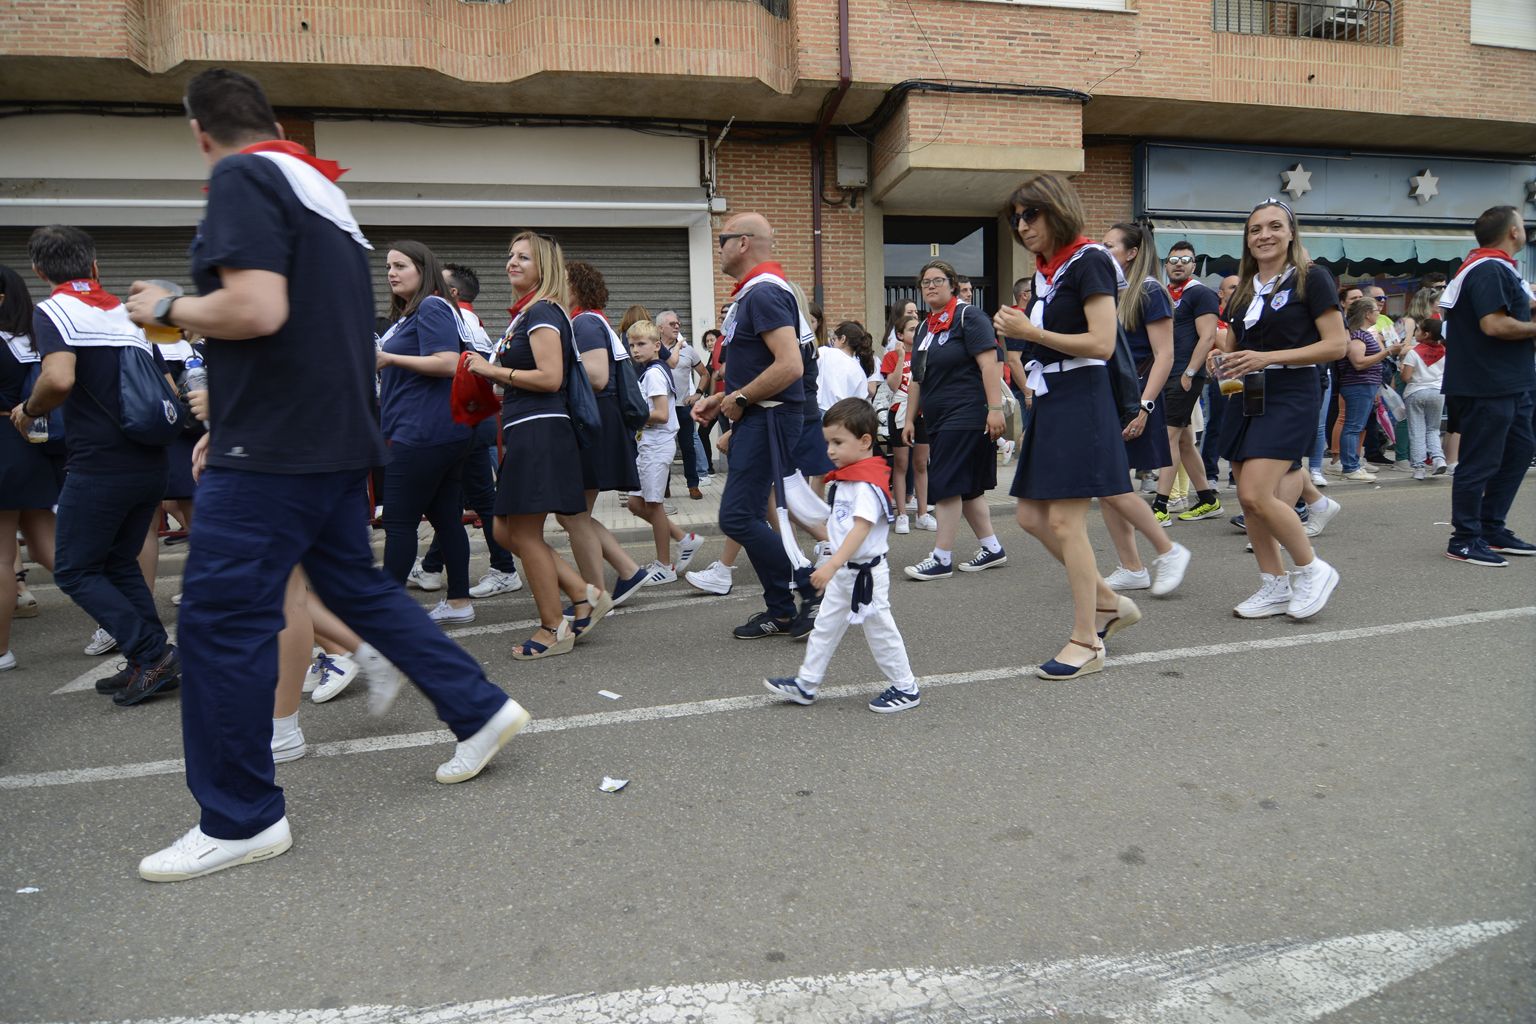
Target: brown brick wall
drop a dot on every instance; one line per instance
(1105, 187)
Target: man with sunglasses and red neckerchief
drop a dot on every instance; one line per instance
(1194, 332)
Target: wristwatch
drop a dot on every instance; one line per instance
(1189, 372)
(162, 310)
(1147, 405)
(741, 401)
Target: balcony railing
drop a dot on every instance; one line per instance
(1373, 22)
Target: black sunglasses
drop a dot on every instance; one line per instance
(734, 235)
(1027, 216)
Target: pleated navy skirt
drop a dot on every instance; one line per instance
(961, 463)
(540, 469)
(1073, 447)
(1287, 430)
(29, 475)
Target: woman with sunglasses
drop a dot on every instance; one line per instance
(956, 388)
(1284, 320)
(1073, 450)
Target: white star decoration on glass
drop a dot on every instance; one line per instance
(1425, 186)
(1297, 181)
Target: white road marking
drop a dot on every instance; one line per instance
(1276, 982)
(656, 713)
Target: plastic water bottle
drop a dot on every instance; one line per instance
(197, 377)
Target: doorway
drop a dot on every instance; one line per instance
(969, 244)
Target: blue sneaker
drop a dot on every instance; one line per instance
(790, 690)
(984, 559)
(1239, 522)
(1302, 512)
(1508, 544)
(1474, 552)
(893, 700)
(624, 589)
(929, 568)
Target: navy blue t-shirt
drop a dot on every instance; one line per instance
(300, 400)
(810, 377)
(759, 310)
(414, 409)
(1155, 306)
(1196, 301)
(1284, 321)
(94, 435)
(1475, 364)
(1092, 273)
(592, 336)
(517, 354)
(952, 395)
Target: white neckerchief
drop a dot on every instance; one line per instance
(1045, 292)
(1260, 290)
(1452, 293)
(619, 351)
(473, 332)
(83, 326)
(318, 194)
(21, 347)
(805, 334)
(180, 350)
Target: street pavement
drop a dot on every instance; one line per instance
(1236, 821)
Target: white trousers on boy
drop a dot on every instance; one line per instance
(880, 631)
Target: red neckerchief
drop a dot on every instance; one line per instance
(1430, 352)
(1481, 253)
(520, 305)
(762, 268)
(873, 470)
(1048, 268)
(577, 311)
(1176, 290)
(330, 168)
(939, 320)
(89, 291)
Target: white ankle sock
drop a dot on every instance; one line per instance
(990, 542)
(284, 729)
(943, 555)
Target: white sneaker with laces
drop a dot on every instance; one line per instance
(686, 549)
(382, 677)
(911, 503)
(101, 642)
(1318, 480)
(1311, 586)
(926, 522)
(1273, 598)
(717, 579)
(1420, 472)
(472, 755)
(1170, 569)
(336, 672)
(1362, 474)
(903, 523)
(1125, 579)
(495, 583)
(1317, 518)
(657, 574)
(445, 614)
(196, 854)
(423, 580)
(312, 674)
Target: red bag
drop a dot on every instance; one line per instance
(473, 398)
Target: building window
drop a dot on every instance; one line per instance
(1355, 21)
(1504, 23)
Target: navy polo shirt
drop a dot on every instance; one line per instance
(1479, 366)
(1284, 320)
(1092, 273)
(1196, 301)
(94, 433)
(952, 395)
(759, 310)
(300, 400)
(810, 378)
(517, 354)
(414, 409)
(1155, 306)
(592, 336)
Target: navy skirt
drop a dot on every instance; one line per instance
(1150, 450)
(609, 465)
(1073, 447)
(29, 474)
(961, 463)
(1288, 429)
(540, 469)
(811, 450)
(178, 457)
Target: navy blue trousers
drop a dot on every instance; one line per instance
(1496, 448)
(744, 503)
(480, 496)
(1210, 443)
(251, 529)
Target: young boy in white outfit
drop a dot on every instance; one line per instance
(653, 457)
(856, 580)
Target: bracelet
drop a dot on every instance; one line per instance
(24, 410)
(511, 375)
(997, 408)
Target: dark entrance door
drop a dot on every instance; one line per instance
(969, 244)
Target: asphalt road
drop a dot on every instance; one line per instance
(1250, 791)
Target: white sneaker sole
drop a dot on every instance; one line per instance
(1138, 585)
(709, 588)
(291, 754)
(512, 728)
(968, 567)
(1268, 612)
(264, 853)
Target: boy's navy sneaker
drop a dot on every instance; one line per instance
(1474, 552)
(805, 622)
(984, 559)
(790, 690)
(760, 625)
(1509, 544)
(1240, 522)
(893, 700)
(929, 568)
(623, 590)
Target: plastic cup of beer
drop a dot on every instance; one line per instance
(1227, 385)
(37, 430)
(159, 333)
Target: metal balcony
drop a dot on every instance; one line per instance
(1372, 22)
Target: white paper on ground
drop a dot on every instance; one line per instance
(612, 785)
(30, 888)
(609, 694)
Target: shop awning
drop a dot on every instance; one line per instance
(1329, 243)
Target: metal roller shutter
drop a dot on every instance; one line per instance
(646, 266)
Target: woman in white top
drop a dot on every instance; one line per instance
(844, 366)
(1422, 371)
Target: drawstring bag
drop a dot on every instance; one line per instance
(472, 398)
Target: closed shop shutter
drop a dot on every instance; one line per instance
(646, 266)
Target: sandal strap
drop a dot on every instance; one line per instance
(1091, 647)
(1107, 611)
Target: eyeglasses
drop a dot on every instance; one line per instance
(1180, 261)
(734, 235)
(1026, 216)
(933, 282)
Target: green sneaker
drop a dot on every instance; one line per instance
(1164, 519)
(1202, 511)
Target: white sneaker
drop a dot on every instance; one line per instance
(7, 661)
(289, 748)
(1273, 598)
(1170, 570)
(926, 522)
(176, 599)
(1362, 474)
(1124, 579)
(101, 643)
(444, 613)
(911, 503)
(473, 754)
(1440, 468)
(312, 674)
(1318, 518)
(382, 677)
(1318, 480)
(706, 480)
(903, 523)
(423, 580)
(1420, 472)
(495, 583)
(657, 575)
(669, 508)
(26, 603)
(335, 671)
(686, 549)
(1178, 505)
(1310, 589)
(196, 854)
(717, 579)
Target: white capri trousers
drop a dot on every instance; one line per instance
(885, 643)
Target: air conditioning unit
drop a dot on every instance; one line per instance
(1333, 19)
